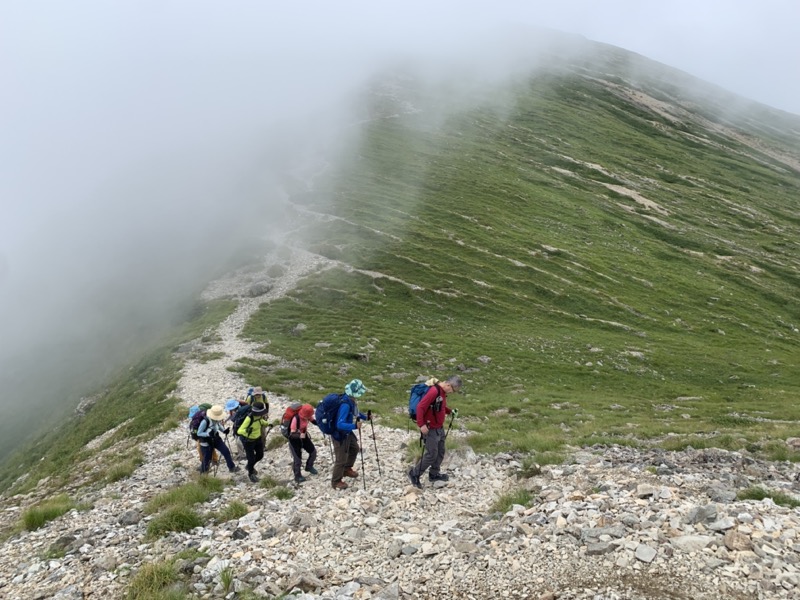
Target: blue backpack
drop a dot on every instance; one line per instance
(417, 392)
(328, 410)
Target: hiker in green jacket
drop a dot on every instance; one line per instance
(250, 432)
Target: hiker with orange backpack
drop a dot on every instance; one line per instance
(300, 440)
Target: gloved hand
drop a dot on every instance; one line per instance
(226, 431)
(455, 413)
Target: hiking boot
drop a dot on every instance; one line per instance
(439, 477)
(312, 470)
(414, 479)
(299, 479)
(252, 477)
(339, 485)
(235, 469)
(350, 473)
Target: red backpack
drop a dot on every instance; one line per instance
(290, 413)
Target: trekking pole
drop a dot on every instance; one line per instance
(452, 416)
(216, 464)
(361, 450)
(374, 441)
(330, 445)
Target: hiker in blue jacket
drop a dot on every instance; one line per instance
(345, 443)
(209, 434)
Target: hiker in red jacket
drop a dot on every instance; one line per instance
(431, 412)
(300, 440)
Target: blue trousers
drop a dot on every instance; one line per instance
(217, 444)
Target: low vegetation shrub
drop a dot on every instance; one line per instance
(504, 503)
(156, 581)
(234, 510)
(186, 495)
(267, 482)
(176, 518)
(36, 516)
(125, 468)
(759, 493)
(282, 493)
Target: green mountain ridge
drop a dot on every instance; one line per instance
(604, 235)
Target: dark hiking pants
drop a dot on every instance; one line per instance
(217, 444)
(433, 455)
(296, 447)
(254, 450)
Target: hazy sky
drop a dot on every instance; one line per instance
(129, 130)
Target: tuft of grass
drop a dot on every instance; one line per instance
(268, 482)
(282, 493)
(36, 516)
(191, 554)
(226, 579)
(530, 468)
(550, 458)
(234, 510)
(759, 493)
(155, 581)
(185, 495)
(504, 503)
(205, 357)
(125, 469)
(176, 518)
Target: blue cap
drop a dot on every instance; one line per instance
(355, 389)
(231, 404)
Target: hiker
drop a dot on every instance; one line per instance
(232, 406)
(210, 434)
(431, 412)
(256, 394)
(345, 443)
(300, 440)
(196, 416)
(250, 432)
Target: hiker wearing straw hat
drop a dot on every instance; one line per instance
(210, 433)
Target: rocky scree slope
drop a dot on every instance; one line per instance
(613, 523)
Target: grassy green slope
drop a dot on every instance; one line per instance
(628, 273)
